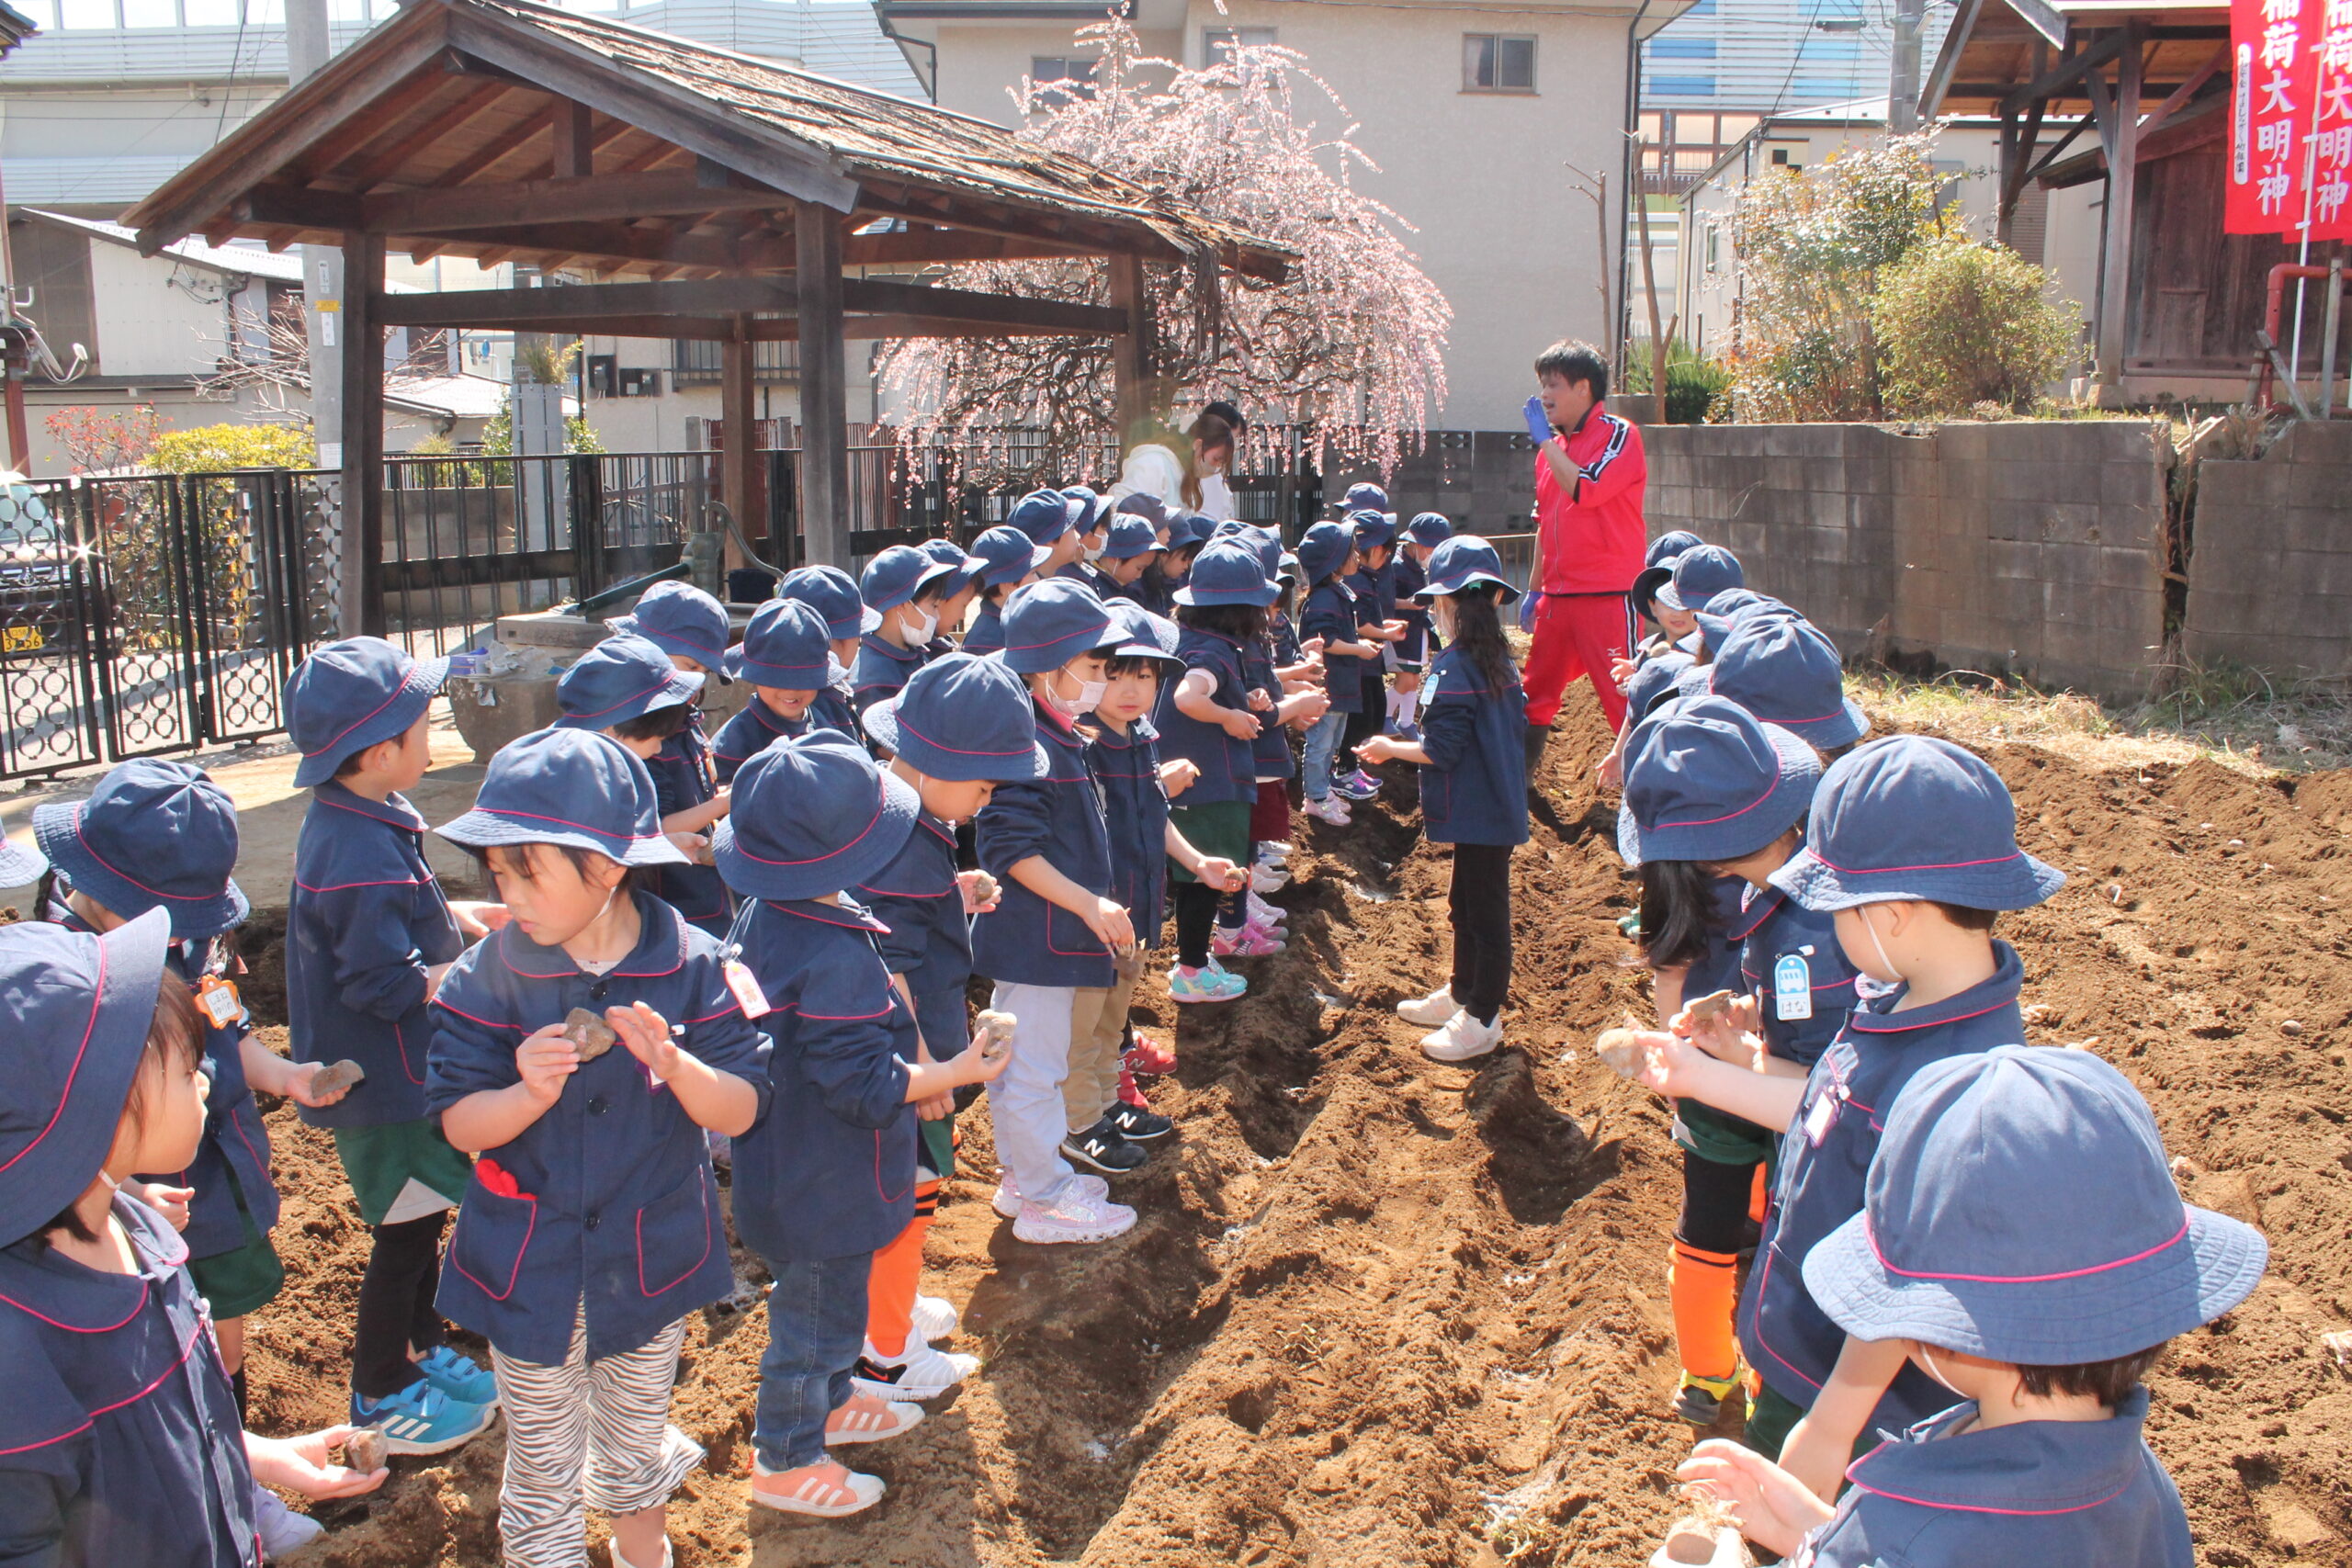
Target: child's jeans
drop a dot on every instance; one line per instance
(587, 1434)
(1321, 736)
(1025, 1103)
(816, 1330)
(1098, 1028)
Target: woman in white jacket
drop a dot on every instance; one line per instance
(1186, 471)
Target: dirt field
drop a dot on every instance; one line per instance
(1383, 1312)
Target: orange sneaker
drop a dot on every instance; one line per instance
(824, 1490)
(866, 1419)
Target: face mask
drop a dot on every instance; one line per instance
(1876, 945)
(1090, 697)
(1927, 1361)
(921, 626)
(1090, 554)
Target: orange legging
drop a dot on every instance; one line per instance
(1701, 1275)
(890, 1288)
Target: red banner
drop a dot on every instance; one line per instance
(2273, 101)
(2331, 123)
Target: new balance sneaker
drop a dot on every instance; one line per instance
(1206, 983)
(866, 1419)
(1150, 1059)
(421, 1419)
(825, 1490)
(917, 1372)
(1073, 1217)
(462, 1378)
(1102, 1147)
(1268, 876)
(1430, 1010)
(1700, 1401)
(1139, 1122)
(1328, 808)
(1006, 1200)
(1249, 940)
(1462, 1037)
(1267, 915)
(935, 1318)
(1355, 787)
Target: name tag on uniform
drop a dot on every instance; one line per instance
(745, 985)
(1822, 1116)
(1791, 989)
(217, 999)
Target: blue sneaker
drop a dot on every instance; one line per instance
(421, 1419)
(1355, 787)
(459, 1377)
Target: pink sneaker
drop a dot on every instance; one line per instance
(1252, 941)
(1150, 1058)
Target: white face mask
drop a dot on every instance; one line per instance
(918, 626)
(1090, 554)
(1877, 945)
(1089, 698)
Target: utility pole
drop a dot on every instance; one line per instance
(1902, 72)
(306, 52)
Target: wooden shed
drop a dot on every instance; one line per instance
(2086, 88)
(702, 193)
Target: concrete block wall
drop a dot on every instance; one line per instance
(2270, 572)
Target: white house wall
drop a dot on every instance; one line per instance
(154, 317)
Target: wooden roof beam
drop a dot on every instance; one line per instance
(537, 310)
(500, 147)
(589, 198)
(477, 101)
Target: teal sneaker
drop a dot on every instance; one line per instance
(459, 1377)
(1207, 984)
(421, 1419)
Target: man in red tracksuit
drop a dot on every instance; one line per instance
(1589, 476)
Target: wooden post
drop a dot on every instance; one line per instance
(1131, 352)
(359, 573)
(824, 387)
(739, 463)
(574, 148)
(2123, 171)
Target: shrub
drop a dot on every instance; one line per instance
(1964, 324)
(215, 449)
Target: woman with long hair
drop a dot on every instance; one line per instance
(1187, 468)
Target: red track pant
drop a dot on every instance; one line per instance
(1577, 634)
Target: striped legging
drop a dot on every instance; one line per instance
(586, 1433)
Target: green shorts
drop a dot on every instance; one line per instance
(401, 1171)
(935, 1148)
(243, 1279)
(1715, 1136)
(1215, 828)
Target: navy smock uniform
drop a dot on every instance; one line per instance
(1790, 961)
(1228, 765)
(1408, 577)
(368, 920)
(1270, 755)
(1711, 1133)
(1135, 809)
(986, 632)
(927, 937)
(882, 667)
(684, 778)
(1155, 591)
(606, 1202)
(1825, 1162)
(2084, 1494)
(1475, 790)
(120, 1446)
(1330, 614)
(1026, 940)
(829, 1172)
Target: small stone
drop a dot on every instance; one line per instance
(1714, 1005)
(589, 1033)
(993, 1036)
(2115, 893)
(2339, 1345)
(365, 1451)
(336, 1077)
(2182, 1170)
(2237, 843)
(2291, 1028)
(1621, 1052)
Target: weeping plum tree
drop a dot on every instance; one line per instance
(1353, 344)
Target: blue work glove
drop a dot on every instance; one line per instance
(1539, 429)
(1527, 611)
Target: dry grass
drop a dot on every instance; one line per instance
(2233, 716)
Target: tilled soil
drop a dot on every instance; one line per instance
(1381, 1310)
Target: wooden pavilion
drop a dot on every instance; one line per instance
(2132, 95)
(708, 195)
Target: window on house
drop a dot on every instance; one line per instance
(151, 13)
(1682, 86)
(1218, 43)
(1683, 48)
(86, 13)
(1714, 247)
(1498, 62)
(1060, 78)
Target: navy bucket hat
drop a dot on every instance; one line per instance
(1429, 529)
(1365, 496)
(1658, 566)
(1142, 634)
(572, 787)
(1325, 549)
(1372, 529)
(1700, 573)
(1007, 555)
(2021, 1208)
(1653, 683)
(79, 1010)
(1043, 514)
(1229, 572)
(1706, 780)
(153, 835)
(1048, 623)
(1189, 529)
(812, 816)
(352, 695)
(1130, 536)
(1146, 505)
(960, 717)
(786, 648)
(952, 556)
(620, 679)
(1090, 508)
(898, 575)
(1464, 560)
(1913, 817)
(832, 593)
(682, 621)
(1785, 671)
(20, 866)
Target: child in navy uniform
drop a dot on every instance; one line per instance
(119, 1439)
(692, 627)
(1008, 560)
(591, 1229)
(833, 594)
(1911, 848)
(1473, 754)
(1325, 556)
(828, 1179)
(1049, 517)
(369, 936)
(787, 659)
(905, 587)
(2023, 1245)
(1089, 527)
(1374, 582)
(1130, 545)
(960, 725)
(627, 689)
(1420, 541)
(956, 593)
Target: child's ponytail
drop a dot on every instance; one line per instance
(1677, 914)
(1478, 633)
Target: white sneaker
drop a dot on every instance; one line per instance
(1265, 914)
(935, 1319)
(1329, 808)
(1461, 1038)
(668, 1557)
(918, 1372)
(1430, 1010)
(1072, 1216)
(1006, 1201)
(1273, 849)
(1268, 876)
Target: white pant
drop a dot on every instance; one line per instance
(1025, 1104)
